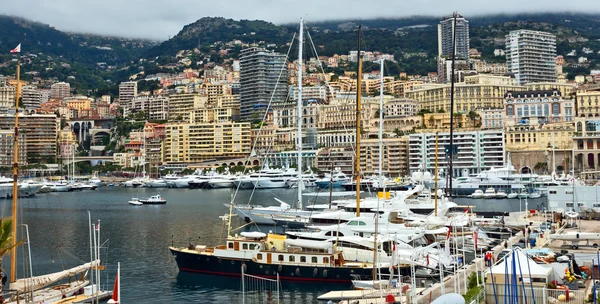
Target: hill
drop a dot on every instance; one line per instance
(88, 59)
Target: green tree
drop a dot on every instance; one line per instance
(6, 237)
(441, 110)
(474, 117)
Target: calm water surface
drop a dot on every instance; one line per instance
(139, 237)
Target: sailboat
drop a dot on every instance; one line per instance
(35, 289)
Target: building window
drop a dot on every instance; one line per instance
(555, 109)
(510, 111)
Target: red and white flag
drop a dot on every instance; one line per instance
(97, 226)
(17, 49)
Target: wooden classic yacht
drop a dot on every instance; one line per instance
(268, 256)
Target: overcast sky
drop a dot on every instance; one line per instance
(159, 19)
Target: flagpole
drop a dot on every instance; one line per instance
(15, 193)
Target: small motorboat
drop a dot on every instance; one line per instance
(155, 199)
(523, 194)
(135, 201)
(489, 193)
(501, 194)
(534, 195)
(477, 194)
(512, 195)
(572, 214)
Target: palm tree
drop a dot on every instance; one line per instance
(6, 241)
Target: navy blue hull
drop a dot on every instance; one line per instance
(197, 263)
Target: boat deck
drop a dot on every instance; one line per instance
(363, 296)
(85, 298)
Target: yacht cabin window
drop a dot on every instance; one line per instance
(313, 260)
(259, 256)
(302, 259)
(280, 258)
(326, 260)
(230, 245)
(569, 205)
(245, 246)
(292, 258)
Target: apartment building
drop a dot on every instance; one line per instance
(587, 103)
(263, 78)
(447, 30)
(7, 97)
(31, 97)
(60, 90)
(531, 56)
(7, 143)
(40, 134)
(181, 106)
(78, 103)
(333, 158)
(127, 91)
(395, 157)
(475, 151)
(156, 107)
(198, 142)
(539, 137)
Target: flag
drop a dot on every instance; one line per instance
(115, 296)
(97, 226)
(467, 210)
(449, 231)
(17, 49)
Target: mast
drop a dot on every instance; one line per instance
(451, 173)
(554, 158)
(15, 194)
(358, 120)
(381, 126)
(381, 185)
(435, 178)
(299, 139)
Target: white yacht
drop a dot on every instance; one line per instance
(337, 179)
(477, 194)
(225, 181)
(501, 194)
(489, 193)
(156, 183)
(95, 180)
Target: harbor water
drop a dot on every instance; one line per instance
(138, 237)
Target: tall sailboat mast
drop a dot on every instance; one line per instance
(15, 194)
(299, 139)
(381, 126)
(358, 120)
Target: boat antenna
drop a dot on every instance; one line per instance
(15, 192)
(299, 116)
(454, 15)
(358, 121)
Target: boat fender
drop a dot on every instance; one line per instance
(279, 268)
(315, 272)
(325, 273)
(297, 271)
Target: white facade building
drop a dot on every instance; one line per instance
(475, 151)
(531, 56)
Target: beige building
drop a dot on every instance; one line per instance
(539, 137)
(66, 142)
(40, 134)
(78, 102)
(442, 121)
(195, 143)
(395, 156)
(586, 143)
(587, 104)
(468, 97)
(7, 144)
(127, 91)
(181, 106)
(339, 157)
(7, 97)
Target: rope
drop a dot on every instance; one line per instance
(522, 283)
